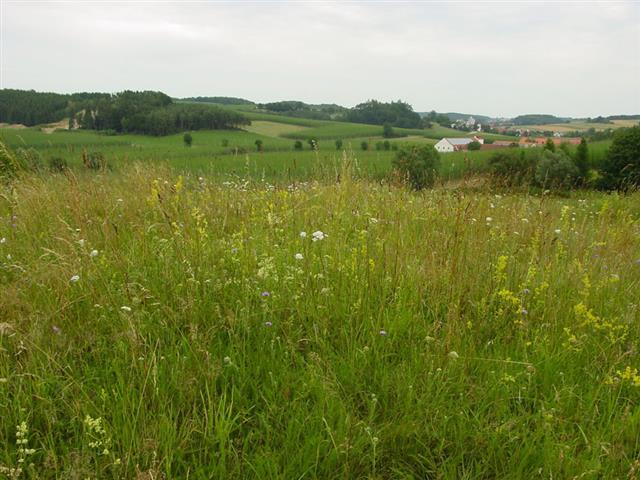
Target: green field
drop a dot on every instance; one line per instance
(279, 162)
(157, 325)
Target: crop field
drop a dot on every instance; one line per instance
(578, 126)
(232, 153)
(165, 325)
(273, 129)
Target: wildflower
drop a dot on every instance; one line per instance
(489, 219)
(3, 240)
(227, 360)
(524, 312)
(81, 242)
(94, 253)
(75, 279)
(57, 330)
(383, 333)
(453, 355)
(298, 256)
(373, 220)
(526, 291)
(557, 231)
(318, 235)
(265, 294)
(303, 234)
(268, 324)
(124, 308)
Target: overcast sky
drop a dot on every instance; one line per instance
(494, 58)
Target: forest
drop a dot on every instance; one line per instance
(147, 112)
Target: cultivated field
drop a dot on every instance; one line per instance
(578, 126)
(164, 326)
(232, 153)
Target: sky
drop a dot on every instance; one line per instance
(494, 58)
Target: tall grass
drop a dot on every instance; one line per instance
(165, 326)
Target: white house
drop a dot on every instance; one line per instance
(454, 144)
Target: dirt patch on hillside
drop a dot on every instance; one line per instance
(52, 127)
(15, 126)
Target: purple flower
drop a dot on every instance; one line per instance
(526, 291)
(268, 324)
(265, 294)
(383, 333)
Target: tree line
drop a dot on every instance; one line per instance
(30, 108)
(147, 112)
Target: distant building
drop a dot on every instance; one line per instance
(541, 141)
(454, 144)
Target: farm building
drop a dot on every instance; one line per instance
(454, 144)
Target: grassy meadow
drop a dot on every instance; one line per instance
(157, 325)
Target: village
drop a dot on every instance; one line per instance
(446, 145)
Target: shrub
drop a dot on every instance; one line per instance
(258, 144)
(549, 145)
(339, 144)
(513, 167)
(582, 159)
(93, 160)
(364, 145)
(621, 166)
(475, 145)
(225, 142)
(379, 145)
(387, 131)
(419, 164)
(313, 143)
(188, 139)
(297, 145)
(556, 171)
(387, 145)
(57, 164)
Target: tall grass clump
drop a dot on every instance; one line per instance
(157, 325)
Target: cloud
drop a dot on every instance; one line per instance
(494, 58)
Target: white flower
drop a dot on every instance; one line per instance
(373, 220)
(453, 355)
(303, 234)
(81, 242)
(94, 253)
(557, 230)
(124, 308)
(489, 219)
(74, 279)
(227, 360)
(298, 256)
(3, 240)
(318, 235)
